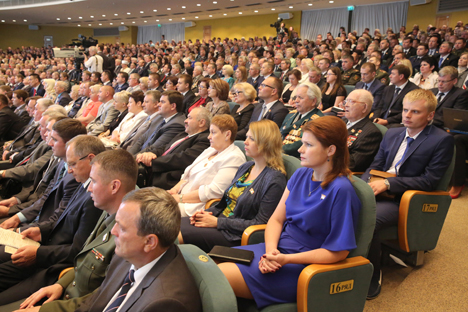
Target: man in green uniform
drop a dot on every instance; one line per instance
(307, 99)
(350, 75)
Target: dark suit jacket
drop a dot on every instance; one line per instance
(277, 113)
(10, 124)
(423, 165)
(189, 99)
(121, 88)
(451, 60)
(23, 114)
(215, 76)
(19, 86)
(256, 83)
(411, 52)
(394, 107)
(416, 63)
(168, 286)
(40, 91)
(376, 89)
(162, 136)
(363, 143)
(168, 169)
(242, 118)
(64, 99)
(456, 98)
(29, 133)
(387, 56)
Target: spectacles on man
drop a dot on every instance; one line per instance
(445, 81)
(73, 165)
(351, 102)
(265, 85)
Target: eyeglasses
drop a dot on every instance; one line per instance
(265, 85)
(74, 165)
(238, 92)
(351, 102)
(445, 81)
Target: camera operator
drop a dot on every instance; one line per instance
(94, 62)
(280, 27)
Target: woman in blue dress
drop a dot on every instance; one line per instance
(313, 223)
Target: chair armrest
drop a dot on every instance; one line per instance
(249, 231)
(360, 282)
(421, 217)
(65, 271)
(211, 202)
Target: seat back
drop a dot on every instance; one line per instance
(240, 144)
(231, 105)
(444, 182)
(349, 89)
(382, 129)
(291, 164)
(366, 222)
(215, 292)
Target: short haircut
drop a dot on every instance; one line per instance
(53, 115)
(3, 100)
(249, 91)
(448, 71)
(122, 96)
(138, 96)
(278, 85)
(221, 87)
(313, 92)
(229, 70)
(84, 145)
(365, 97)
(21, 94)
(186, 79)
(225, 123)
(159, 214)
(429, 98)
(402, 70)
(70, 128)
(154, 94)
(124, 75)
(97, 75)
(296, 72)
(175, 97)
(95, 88)
(203, 114)
(5, 88)
(56, 108)
(118, 165)
(35, 76)
(369, 66)
(155, 76)
(44, 103)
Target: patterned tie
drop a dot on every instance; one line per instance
(153, 136)
(465, 86)
(263, 112)
(409, 141)
(129, 280)
(439, 98)
(34, 92)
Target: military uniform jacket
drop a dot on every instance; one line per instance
(351, 77)
(90, 268)
(382, 76)
(292, 131)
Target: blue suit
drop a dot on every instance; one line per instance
(376, 89)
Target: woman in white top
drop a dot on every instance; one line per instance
(134, 118)
(428, 77)
(74, 94)
(212, 172)
(49, 85)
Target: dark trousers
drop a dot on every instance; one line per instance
(387, 215)
(459, 172)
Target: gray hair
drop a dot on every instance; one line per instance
(203, 114)
(365, 97)
(448, 71)
(313, 92)
(159, 214)
(122, 96)
(62, 84)
(55, 108)
(86, 144)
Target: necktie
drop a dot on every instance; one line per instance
(175, 145)
(34, 92)
(260, 117)
(409, 141)
(465, 86)
(149, 142)
(395, 95)
(297, 117)
(441, 61)
(129, 280)
(397, 91)
(439, 98)
(366, 87)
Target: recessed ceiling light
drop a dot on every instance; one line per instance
(112, 23)
(240, 12)
(80, 17)
(310, 4)
(58, 19)
(183, 18)
(100, 24)
(256, 11)
(224, 14)
(170, 20)
(3, 21)
(103, 15)
(168, 9)
(122, 23)
(290, 6)
(79, 25)
(215, 2)
(155, 10)
(331, 1)
(211, 15)
(146, 21)
(273, 9)
(142, 12)
(89, 24)
(157, 20)
(25, 20)
(198, 4)
(92, 16)
(128, 13)
(69, 18)
(133, 22)
(183, 7)
(115, 14)
(14, 21)
(196, 16)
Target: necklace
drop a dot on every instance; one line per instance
(310, 187)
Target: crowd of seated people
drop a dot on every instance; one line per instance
(171, 113)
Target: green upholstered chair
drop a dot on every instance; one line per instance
(341, 286)
(231, 105)
(215, 292)
(382, 129)
(421, 218)
(349, 88)
(291, 164)
(240, 144)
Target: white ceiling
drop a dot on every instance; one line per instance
(111, 13)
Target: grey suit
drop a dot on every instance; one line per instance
(106, 114)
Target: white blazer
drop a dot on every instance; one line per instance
(430, 83)
(210, 177)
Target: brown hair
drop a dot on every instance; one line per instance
(329, 130)
(225, 123)
(221, 87)
(338, 82)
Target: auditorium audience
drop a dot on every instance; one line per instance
(333, 92)
(240, 207)
(244, 96)
(294, 76)
(90, 111)
(428, 76)
(218, 91)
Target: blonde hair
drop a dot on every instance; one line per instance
(430, 100)
(229, 70)
(122, 96)
(268, 138)
(307, 62)
(249, 91)
(408, 64)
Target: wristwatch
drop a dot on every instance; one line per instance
(387, 184)
(181, 198)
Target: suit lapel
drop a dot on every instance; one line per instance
(395, 146)
(419, 140)
(449, 94)
(75, 198)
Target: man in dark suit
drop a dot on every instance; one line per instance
(18, 82)
(255, 79)
(166, 170)
(388, 113)
(19, 104)
(269, 92)
(306, 110)
(122, 84)
(61, 237)
(434, 42)
(10, 123)
(113, 175)
(63, 98)
(211, 71)
(416, 60)
(172, 123)
(363, 136)
(448, 96)
(418, 155)
(446, 57)
(386, 51)
(370, 83)
(36, 87)
(408, 48)
(183, 86)
(168, 284)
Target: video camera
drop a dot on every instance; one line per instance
(84, 42)
(277, 24)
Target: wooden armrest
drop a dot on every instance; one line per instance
(249, 231)
(314, 269)
(403, 214)
(211, 202)
(65, 271)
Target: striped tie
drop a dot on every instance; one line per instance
(129, 280)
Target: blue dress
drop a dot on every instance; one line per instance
(325, 219)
